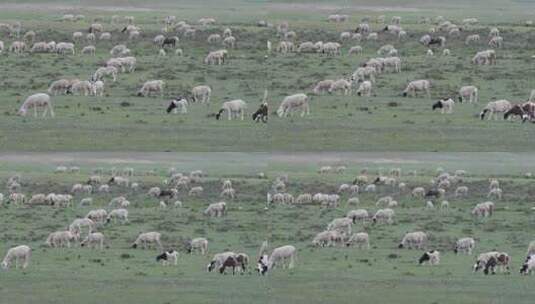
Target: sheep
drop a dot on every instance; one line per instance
(465, 245)
(323, 86)
(361, 240)
(461, 191)
(221, 260)
(364, 73)
(365, 89)
(82, 88)
(331, 48)
(106, 71)
(152, 86)
(393, 64)
(487, 57)
(20, 253)
(105, 36)
(531, 248)
(417, 85)
(496, 42)
(97, 216)
(528, 266)
(229, 193)
(432, 257)
(77, 36)
(63, 47)
(216, 209)
(342, 224)
(495, 107)
(345, 36)
(470, 92)
(95, 27)
(305, 198)
(168, 257)
(94, 240)
(39, 100)
(446, 52)
(97, 88)
(341, 85)
(118, 214)
(471, 38)
(40, 47)
(146, 239)
(119, 181)
(416, 239)
(494, 32)
(77, 224)
(61, 238)
(118, 49)
(198, 244)
(195, 191)
(495, 193)
(489, 261)
(445, 105)
(293, 103)
(216, 57)
(162, 53)
(483, 209)
(418, 192)
(283, 255)
(154, 192)
(233, 108)
(307, 47)
(327, 239)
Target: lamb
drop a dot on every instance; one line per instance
(229, 42)
(97, 216)
(327, 239)
(168, 257)
(445, 105)
(200, 244)
(361, 240)
(284, 254)
(106, 71)
(461, 191)
(416, 239)
(323, 86)
(20, 254)
(293, 103)
(495, 107)
(39, 100)
(94, 240)
(118, 214)
(496, 42)
(365, 89)
(464, 245)
(341, 85)
(233, 108)
(97, 88)
(201, 94)
(216, 209)
(470, 92)
(40, 47)
(90, 49)
(417, 85)
(471, 38)
(146, 239)
(432, 257)
(62, 238)
(216, 57)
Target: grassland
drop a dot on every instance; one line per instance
(121, 121)
(119, 274)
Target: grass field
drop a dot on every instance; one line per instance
(120, 274)
(386, 122)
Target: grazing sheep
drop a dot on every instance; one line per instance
(81, 88)
(528, 266)
(284, 255)
(327, 239)
(432, 257)
(216, 57)
(305, 198)
(61, 238)
(119, 181)
(495, 107)
(365, 89)
(307, 47)
(168, 257)
(179, 103)
(358, 215)
(487, 57)
(198, 244)
(201, 94)
(465, 245)
(361, 240)
(417, 86)
(496, 42)
(495, 193)
(494, 32)
(39, 100)
(63, 47)
(77, 224)
(233, 108)
(470, 92)
(331, 48)
(445, 105)
(446, 52)
(195, 191)
(341, 85)
(471, 38)
(162, 53)
(118, 214)
(221, 260)
(229, 193)
(363, 74)
(483, 209)
(152, 86)
(216, 209)
(105, 36)
(323, 86)
(106, 71)
(97, 216)
(293, 103)
(461, 191)
(146, 239)
(17, 47)
(94, 240)
(418, 192)
(229, 42)
(489, 261)
(416, 239)
(20, 254)
(342, 224)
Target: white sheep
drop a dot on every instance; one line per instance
(358, 215)
(198, 244)
(62, 238)
(233, 108)
(495, 193)
(97, 216)
(305, 198)
(465, 245)
(342, 224)
(364, 73)
(461, 191)
(94, 240)
(361, 240)
(147, 239)
(39, 100)
(327, 239)
(470, 92)
(331, 48)
(472, 38)
(229, 42)
(81, 88)
(118, 214)
(151, 86)
(20, 254)
(417, 86)
(63, 47)
(323, 86)
(196, 191)
(201, 94)
(496, 42)
(293, 103)
(487, 57)
(365, 88)
(445, 105)
(106, 71)
(341, 85)
(284, 255)
(416, 239)
(495, 107)
(228, 193)
(216, 209)
(77, 225)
